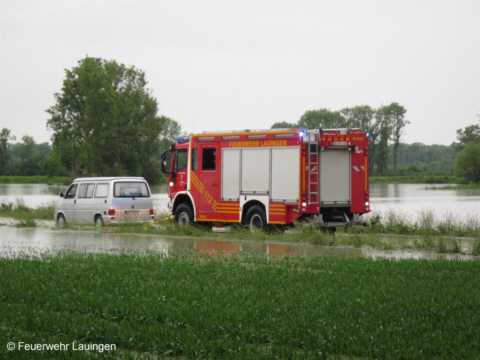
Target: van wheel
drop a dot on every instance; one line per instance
(256, 219)
(184, 215)
(61, 220)
(98, 221)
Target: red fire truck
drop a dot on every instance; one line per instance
(270, 177)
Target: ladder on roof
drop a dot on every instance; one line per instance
(313, 168)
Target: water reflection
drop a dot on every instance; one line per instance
(30, 242)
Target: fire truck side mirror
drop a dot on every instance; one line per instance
(164, 162)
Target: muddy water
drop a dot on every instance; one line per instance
(34, 241)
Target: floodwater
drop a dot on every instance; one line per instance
(414, 199)
(401, 198)
(406, 199)
(36, 195)
(19, 242)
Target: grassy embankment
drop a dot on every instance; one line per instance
(35, 180)
(451, 182)
(414, 179)
(241, 307)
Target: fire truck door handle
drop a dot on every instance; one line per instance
(185, 186)
(215, 185)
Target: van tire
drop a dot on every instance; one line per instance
(184, 215)
(256, 219)
(61, 220)
(98, 221)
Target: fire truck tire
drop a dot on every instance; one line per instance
(256, 219)
(184, 215)
(329, 230)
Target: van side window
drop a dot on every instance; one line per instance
(85, 190)
(72, 191)
(208, 159)
(194, 159)
(101, 191)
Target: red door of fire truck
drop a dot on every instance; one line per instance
(206, 181)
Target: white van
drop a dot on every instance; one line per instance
(105, 200)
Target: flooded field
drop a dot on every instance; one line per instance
(409, 199)
(35, 195)
(16, 242)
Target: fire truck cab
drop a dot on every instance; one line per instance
(270, 177)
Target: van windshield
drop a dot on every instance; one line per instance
(131, 189)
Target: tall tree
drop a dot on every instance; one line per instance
(5, 146)
(103, 116)
(380, 136)
(28, 147)
(394, 115)
(284, 125)
(465, 136)
(170, 130)
(359, 117)
(322, 119)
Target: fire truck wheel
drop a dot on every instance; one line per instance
(256, 219)
(184, 215)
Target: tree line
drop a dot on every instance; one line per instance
(105, 123)
(385, 124)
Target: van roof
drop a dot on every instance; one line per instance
(108, 178)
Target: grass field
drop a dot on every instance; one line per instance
(240, 307)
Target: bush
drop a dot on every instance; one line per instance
(467, 164)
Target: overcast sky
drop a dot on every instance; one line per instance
(247, 64)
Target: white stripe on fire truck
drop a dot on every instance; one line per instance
(357, 169)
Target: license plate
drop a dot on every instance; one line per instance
(340, 143)
(131, 212)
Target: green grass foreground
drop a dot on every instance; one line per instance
(240, 307)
